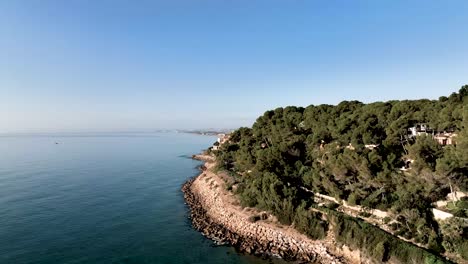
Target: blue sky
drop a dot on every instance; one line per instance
(110, 65)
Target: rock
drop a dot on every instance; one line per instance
(247, 237)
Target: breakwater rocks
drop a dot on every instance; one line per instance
(213, 214)
(203, 157)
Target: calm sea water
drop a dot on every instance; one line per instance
(102, 199)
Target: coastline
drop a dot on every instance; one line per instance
(216, 213)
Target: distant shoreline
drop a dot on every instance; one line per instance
(206, 132)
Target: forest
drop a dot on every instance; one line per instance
(364, 155)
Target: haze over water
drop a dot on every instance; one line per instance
(101, 199)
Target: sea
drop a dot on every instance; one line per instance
(102, 198)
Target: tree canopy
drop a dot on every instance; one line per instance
(354, 152)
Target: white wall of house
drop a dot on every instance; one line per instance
(441, 215)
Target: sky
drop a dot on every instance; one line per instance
(115, 65)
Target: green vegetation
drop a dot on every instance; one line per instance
(311, 223)
(459, 208)
(454, 233)
(354, 152)
(377, 243)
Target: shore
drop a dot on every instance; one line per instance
(217, 214)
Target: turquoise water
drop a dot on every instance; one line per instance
(102, 199)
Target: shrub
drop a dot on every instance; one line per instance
(386, 220)
(310, 223)
(376, 243)
(285, 212)
(463, 204)
(380, 252)
(462, 249)
(352, 199)
(394, 226)
(332, 205)
(365, 214)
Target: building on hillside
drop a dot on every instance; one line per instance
(371, 146)
(442, 137)
(222, 138)
(216, 146)
(445, 138)
(420, 129)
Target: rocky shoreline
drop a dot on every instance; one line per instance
(216, 218)
(217, 232)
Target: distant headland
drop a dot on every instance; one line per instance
(206, 132)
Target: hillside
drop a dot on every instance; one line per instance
(325, 167)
